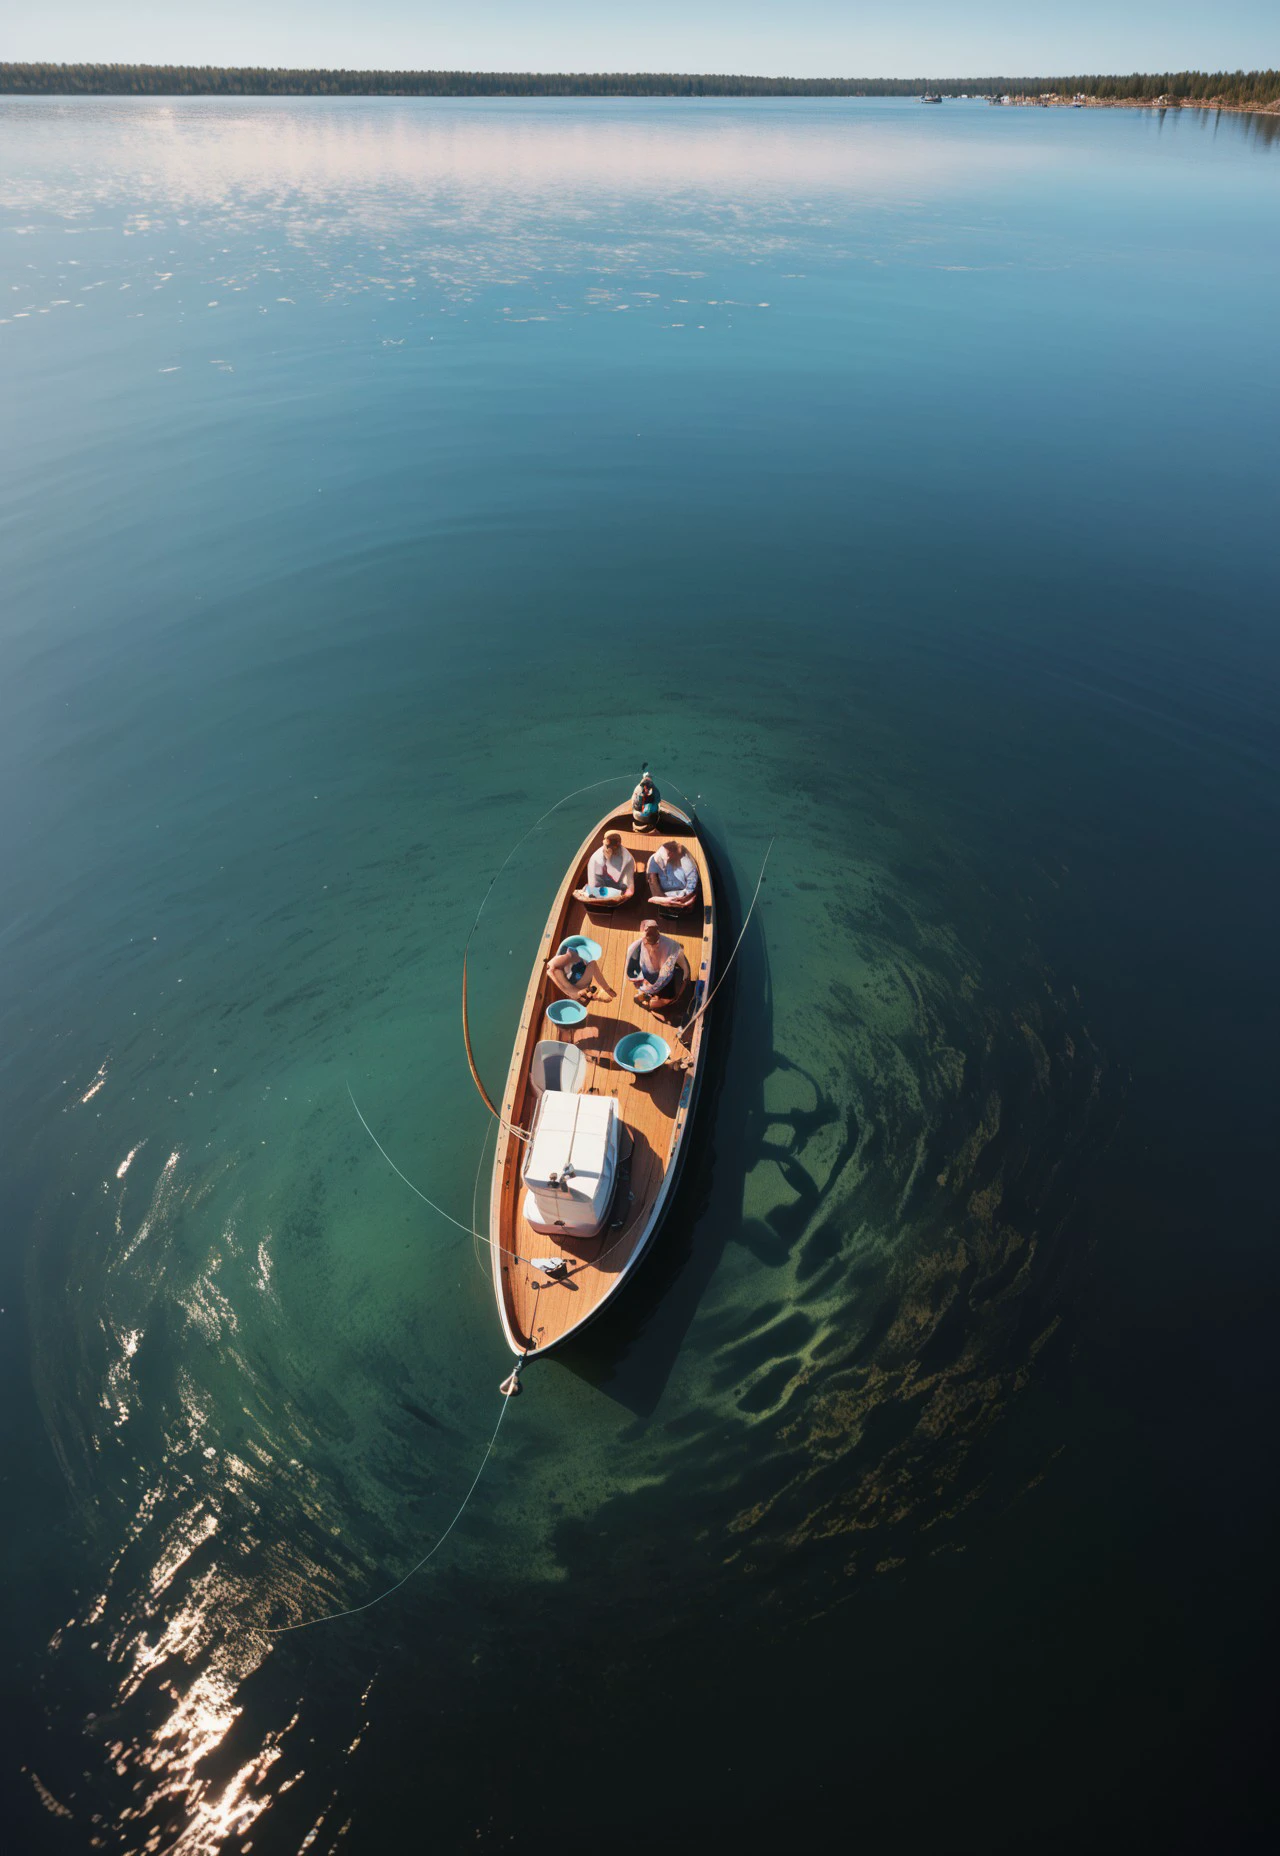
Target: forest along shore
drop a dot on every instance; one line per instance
(1245, 91)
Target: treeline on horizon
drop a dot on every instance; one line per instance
(1240, 89)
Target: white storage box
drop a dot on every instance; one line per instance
(571, 1165)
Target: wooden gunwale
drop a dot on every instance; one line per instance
(538, 1314)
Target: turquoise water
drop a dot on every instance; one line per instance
(900, 484)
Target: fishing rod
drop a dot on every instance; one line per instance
(466, 1039)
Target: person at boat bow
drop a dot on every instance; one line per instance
(673, 877)
(611, 875)
(658, 967)
(646, 804)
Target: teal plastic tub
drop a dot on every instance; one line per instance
(566, 1012)
(641, 1051)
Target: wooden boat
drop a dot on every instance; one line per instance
(584, 1173)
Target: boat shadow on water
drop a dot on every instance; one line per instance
(911, 1256)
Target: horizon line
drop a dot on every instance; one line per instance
(752, 77)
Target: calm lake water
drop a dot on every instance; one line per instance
(901, 483)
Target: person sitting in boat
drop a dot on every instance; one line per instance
(658, 967)
(612, 869)
(673, 877)
(571, 973)
(646, 804)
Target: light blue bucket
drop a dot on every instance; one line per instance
(566, 1012)
(641, 1051)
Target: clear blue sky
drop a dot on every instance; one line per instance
(804, 38)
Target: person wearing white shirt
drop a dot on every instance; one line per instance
(611, 875)
(673, 877)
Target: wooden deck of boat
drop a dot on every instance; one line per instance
(540, 1312)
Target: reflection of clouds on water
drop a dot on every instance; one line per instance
(345, 158)
(434, 202)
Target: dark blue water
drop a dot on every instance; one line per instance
(903, 485)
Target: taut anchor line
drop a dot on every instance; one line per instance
(331, 1617)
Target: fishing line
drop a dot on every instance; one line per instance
(692, 804)
(404, 1176)
(475, 1194)
(468, 1228)
(352, 1611)
(607, 781)
(734, 955)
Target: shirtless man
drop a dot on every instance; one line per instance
(577, 977)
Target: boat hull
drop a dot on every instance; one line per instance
(540, 1309)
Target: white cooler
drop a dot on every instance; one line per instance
(571, 1165)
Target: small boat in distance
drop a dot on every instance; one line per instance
(595, 1116)
(930, 97)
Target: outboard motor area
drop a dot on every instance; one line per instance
(572, 1163)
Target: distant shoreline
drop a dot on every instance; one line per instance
(1087, 102)
(1242, 92)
